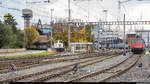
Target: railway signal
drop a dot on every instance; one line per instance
(13, 67)
(140, 65)
(75, 68)
(6, 16)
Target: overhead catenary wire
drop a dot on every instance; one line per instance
(85, 10)
(16, 11)
(41, 13)
(98, 5)
(19, 10)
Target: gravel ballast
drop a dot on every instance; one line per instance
(136, 73)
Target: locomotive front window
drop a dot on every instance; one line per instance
(133, 41)
(140, 41)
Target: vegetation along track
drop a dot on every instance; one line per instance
(108, 72)
(55, 71)
(51, 59)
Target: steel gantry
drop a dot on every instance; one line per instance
(126, 23)
(109, 23)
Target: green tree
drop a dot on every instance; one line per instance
(11, 22)
(20, 39)
(18, 34)
(31, 35)
(7, 38)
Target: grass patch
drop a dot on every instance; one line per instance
(34, 54)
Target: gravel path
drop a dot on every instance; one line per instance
(136, 74)
(33, 52)
(22, 53)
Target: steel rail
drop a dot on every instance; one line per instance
(98, 72)
(44, 63)
(44, 71)
(119, 72)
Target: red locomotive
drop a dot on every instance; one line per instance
(137, 45)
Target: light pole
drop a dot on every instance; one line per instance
(105, 13)
(124, 37)
(98, 40)
(105, 19)
(88, 11)
(148, 41)
(69, 16)
(51, 26)
(98, 35)
(100, 31)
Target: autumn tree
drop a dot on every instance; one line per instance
(60, 33)
(89, 36)
(77, 34)
(83, 34)
(31, 35)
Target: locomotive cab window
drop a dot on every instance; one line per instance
(140, 41)
(133, 41)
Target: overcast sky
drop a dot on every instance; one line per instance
(134, 10)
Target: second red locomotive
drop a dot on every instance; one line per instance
(137, 45)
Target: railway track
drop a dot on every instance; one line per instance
(108, 72)
(57, 69)
(54, 60)
(28, 63)
(53, 75)
(30, 59)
